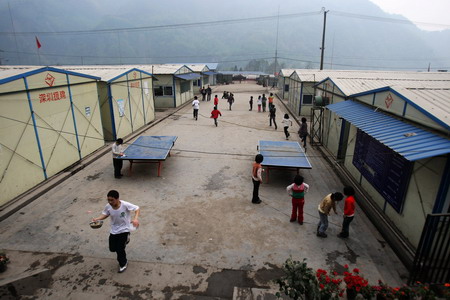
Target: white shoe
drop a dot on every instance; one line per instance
(122, 269)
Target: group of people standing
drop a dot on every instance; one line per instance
(297, 191)
(262, 102)
(206, 93)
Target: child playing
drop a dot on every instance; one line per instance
(303, 132)
(328, 203)
(251, 103)
(215, 114)
(349, 211)
(257, 178)
(286, 123)
(259, 102)
(216, 101)
(297, 190)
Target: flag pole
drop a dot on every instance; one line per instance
(38, 46)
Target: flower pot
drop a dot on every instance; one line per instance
(351, 294)
(325, 297)
(3, 268)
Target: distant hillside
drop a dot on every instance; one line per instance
(352, 40)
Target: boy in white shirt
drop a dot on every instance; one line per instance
(196, 106)
(119, 211)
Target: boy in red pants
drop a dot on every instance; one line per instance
(297, 190)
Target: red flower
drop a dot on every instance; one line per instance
(346, 266)
(355, 270)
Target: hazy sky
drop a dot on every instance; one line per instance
(427, 11)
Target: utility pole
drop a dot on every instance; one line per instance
(276, 43)
(323, 36)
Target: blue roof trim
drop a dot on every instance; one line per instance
(209, 73)
(407, 100)
(129, 71)
(46, 69)
(391, 132)
(328, 78)
(188, 76)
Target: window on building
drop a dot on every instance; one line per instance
(168, 91)
(286, 87)
(163, 91)
(307, 99)
(158, 91)
(387, 171)
(185, 86)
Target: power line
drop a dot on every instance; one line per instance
(384, 19)
(160, 27)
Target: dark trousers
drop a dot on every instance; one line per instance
(256, 184)
(118, 163)
(303, 139)
(203, 97)
(297, 209)
(117, 243)
(346, 226)
(215, 121)
(208, 97)
(195, 113)
(272, 119)
(251, 105)
(286, 133)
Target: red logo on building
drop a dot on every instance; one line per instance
(134, 75)
(49, 79)
(389, 100)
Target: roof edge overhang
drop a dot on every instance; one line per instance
(47, 69)
(409, 141)
(127, 72)
(407, 100)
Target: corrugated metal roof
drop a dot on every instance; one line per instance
(352, 86)
(310, 75)
(435, 101)
(286, 72)
(163, 68)
(189, 76)
(407, 140)
(198, 68)
(10, 71)
(106, 73)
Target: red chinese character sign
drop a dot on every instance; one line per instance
(49, 79)
(389, 100)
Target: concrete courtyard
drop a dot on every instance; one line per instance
(199, 232)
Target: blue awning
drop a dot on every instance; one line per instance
(188, 76)
(407, 140)
(209, 73)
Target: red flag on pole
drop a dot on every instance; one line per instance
(37, 43)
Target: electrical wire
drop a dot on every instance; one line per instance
(167, 26)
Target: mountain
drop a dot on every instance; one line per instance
(358, 34)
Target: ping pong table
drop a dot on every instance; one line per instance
(283, 155)
(149, 149)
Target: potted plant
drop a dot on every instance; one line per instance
(356, 284)
(4, 260)
(383, 291)
(404, 293)
(299, 281)
(329, 285)
(424, 292)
